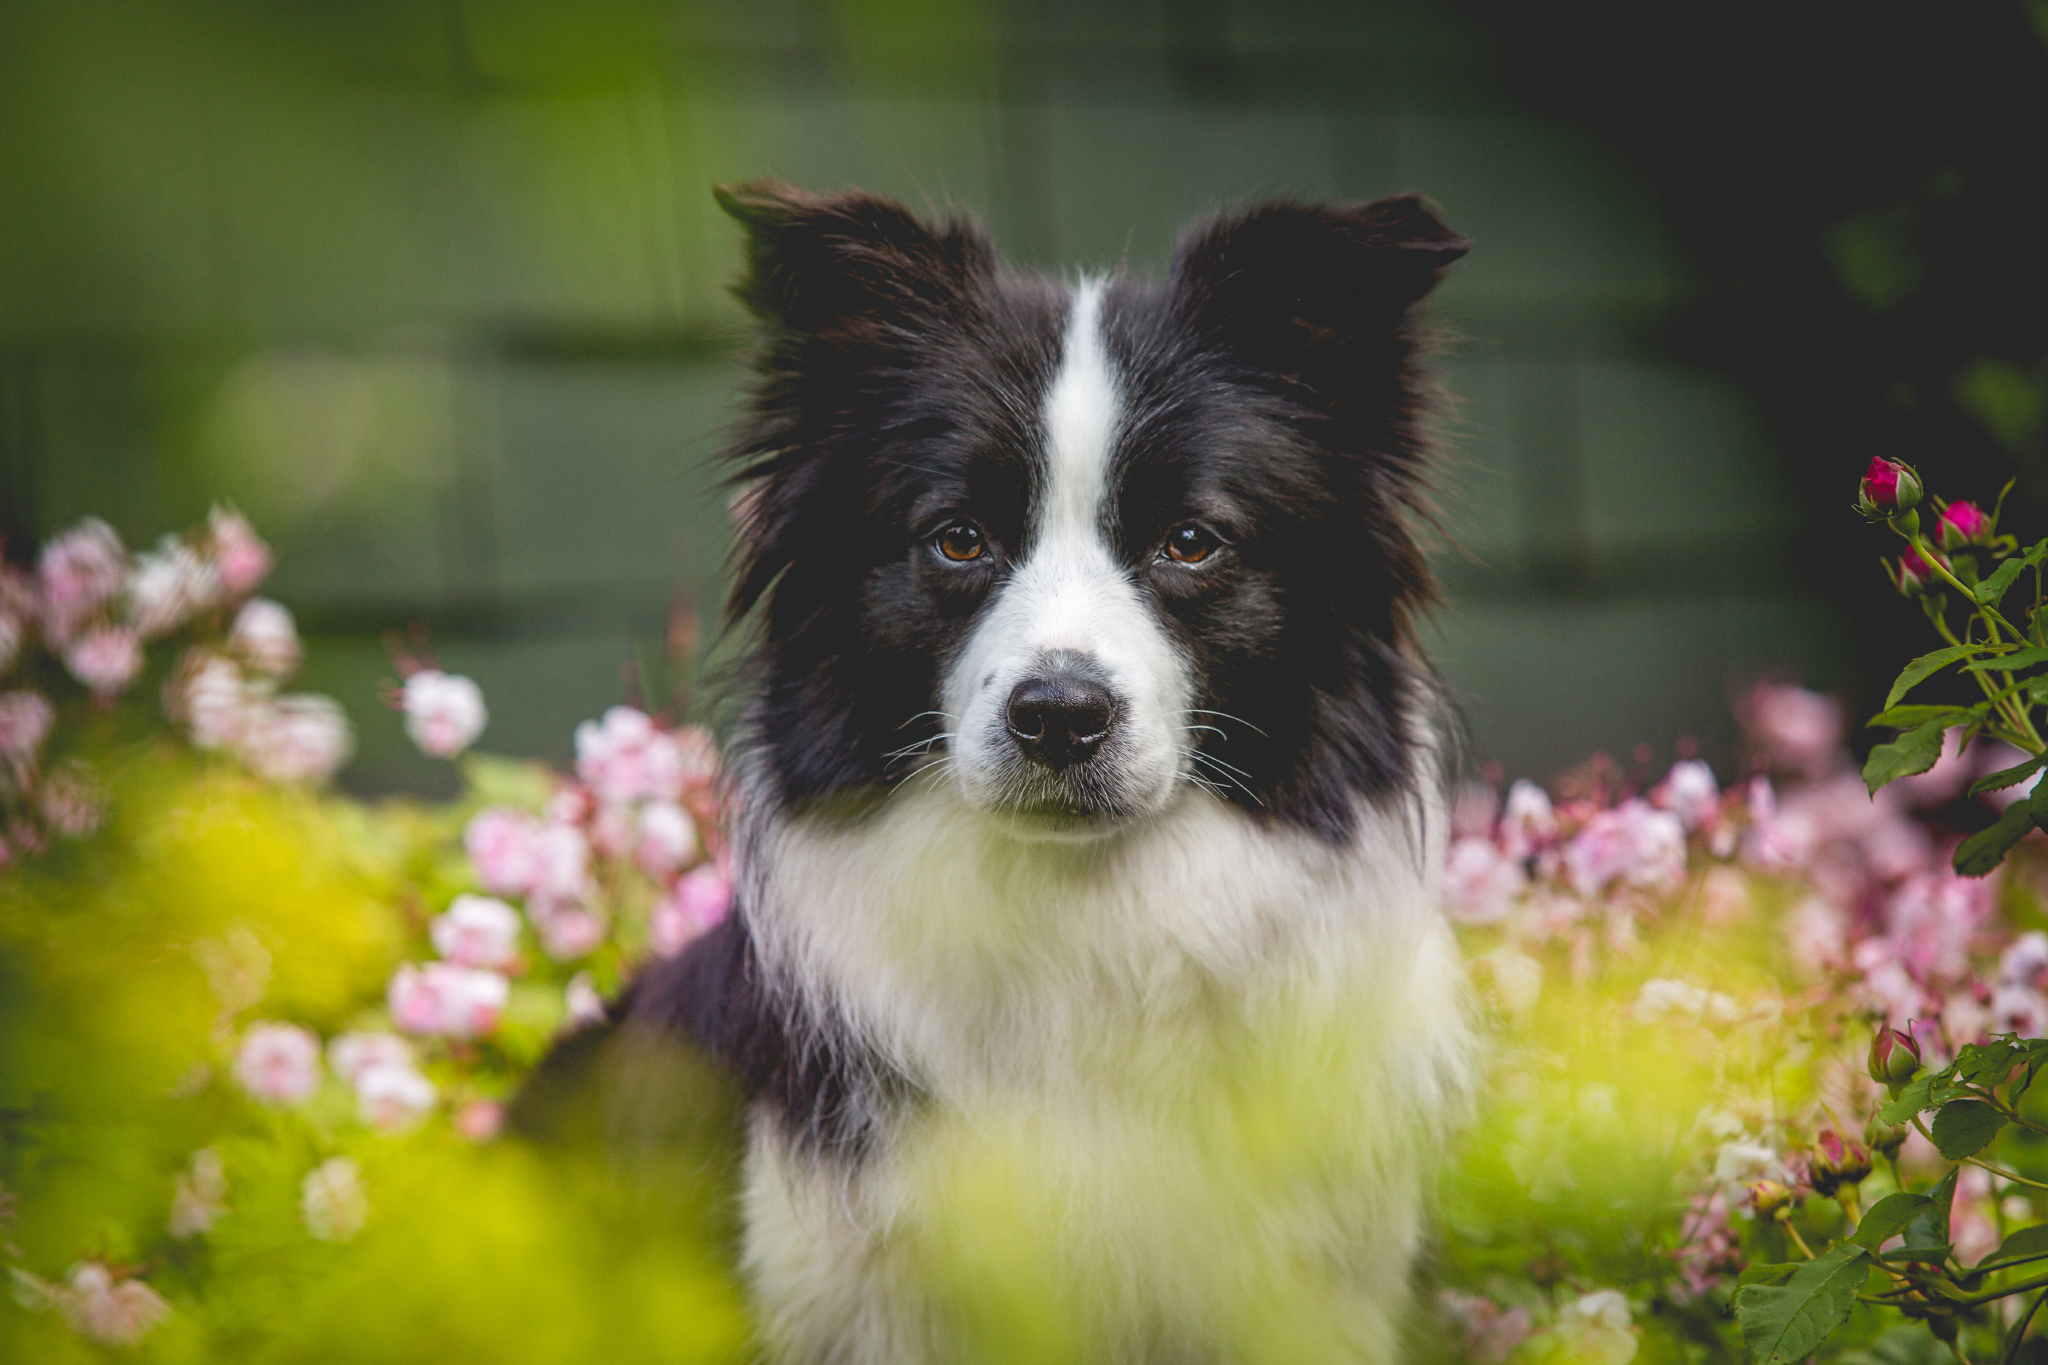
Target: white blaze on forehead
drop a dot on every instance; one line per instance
(1080, 426)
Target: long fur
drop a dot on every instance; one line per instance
(1179, 1020)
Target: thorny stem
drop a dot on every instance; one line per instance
(1992, 621)
(2010, 731)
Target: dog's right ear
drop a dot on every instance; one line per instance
(849, 265)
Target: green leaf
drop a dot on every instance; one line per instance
(1982, 852)
(1965, 1128)
(1789, 1322)
(1913, 673)
(1913, 752)
(1887, 1218)
(2011, 663)
(1768, 1274)
(1913, 1099)
(1935, 1254)
(1907, 717)
(1987, 1064)
(2035, 555)
(1993, 588)
(2023, 1245)
(2006, 777)
(1930, 1229)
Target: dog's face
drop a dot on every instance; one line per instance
(1083, 550)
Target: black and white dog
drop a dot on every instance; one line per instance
(1089, 792)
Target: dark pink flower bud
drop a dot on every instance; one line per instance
(1888, 488)
(1912, 573)
(1884, 1139)
(1894, 1058)
(1963, 523)
(1837, 1161)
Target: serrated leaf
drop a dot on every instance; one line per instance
(1921, 668)
(1936, 1253)
(1981, 853)
(1887, 1218)
(1909, 716)
(1986, 1063)
(2035, 555)
(1930, 1228)
(1965, 1128)
(1768, 1274)
(1913, 752)
(1913, 1099)
(1789, 1322)
(1995, 587)
(2011, 663)
(2006, 777)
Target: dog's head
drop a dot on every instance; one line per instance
(1080, 550)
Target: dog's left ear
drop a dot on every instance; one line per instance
(1313, 293)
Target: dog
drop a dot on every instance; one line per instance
(1086, 984)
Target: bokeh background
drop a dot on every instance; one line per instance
(435, 291)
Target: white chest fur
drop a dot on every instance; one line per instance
(1180, 1091)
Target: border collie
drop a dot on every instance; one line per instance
(1086, 980)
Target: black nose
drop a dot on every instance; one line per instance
(1061, 718)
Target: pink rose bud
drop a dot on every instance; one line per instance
(444, 713)
(1888, 488)
(105, 660)
(501, 844)
(239, 557)
(477, 931)
(265, 634)
(1912, 573)
(1894, 1058)
(1837, 1161)
(1963, 523)
(279, 1063)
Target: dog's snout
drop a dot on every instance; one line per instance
(1060, 718)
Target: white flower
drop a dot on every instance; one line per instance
(583, 1003)
(1595, 1329)
(265, 634)
(279, 1063)
(446, 998)
(1526, 820)
(567, 934)
(444, 713)
(81, 571)
(1741, 1161)
(352, 1054)
(112, 1312)
(625, 758)
(106, 659)
(477, 931)
(562, 865)
(1664, 997)
(502, 849)
(215, 700)
(199, 1197)
(2022, 962)
(1480, 885)
(167, 586)
(331, 1200)
(393, 1098)
(667, 839)
(2018, 1009)
(299, 738)
(1690, 792)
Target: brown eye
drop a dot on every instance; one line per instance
(1190, 544)
(961, 543)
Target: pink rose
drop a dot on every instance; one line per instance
(477, 931)
(238, 556)
(1913, 571)
(502, 845)
(105, 660)
(1887, 487)
(265, 634)
(561, 863)
(79, 572)
(444, 713)
(26, 719)
(1796, 730)
(299, 738)
(667, 840)
(625, 758)
(393, 1098)
(1690, 792)
(1480, 884)
(167, 586)
(699, 901)
(352, 1054)
(279, 1063)
(567, 933)
(446, 998)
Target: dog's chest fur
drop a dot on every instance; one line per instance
(1159, 1087)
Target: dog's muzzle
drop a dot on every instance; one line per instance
(1061, 715)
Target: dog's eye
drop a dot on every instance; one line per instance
(1191, 543)
(961, 543)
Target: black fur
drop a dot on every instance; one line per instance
(1272, 391)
